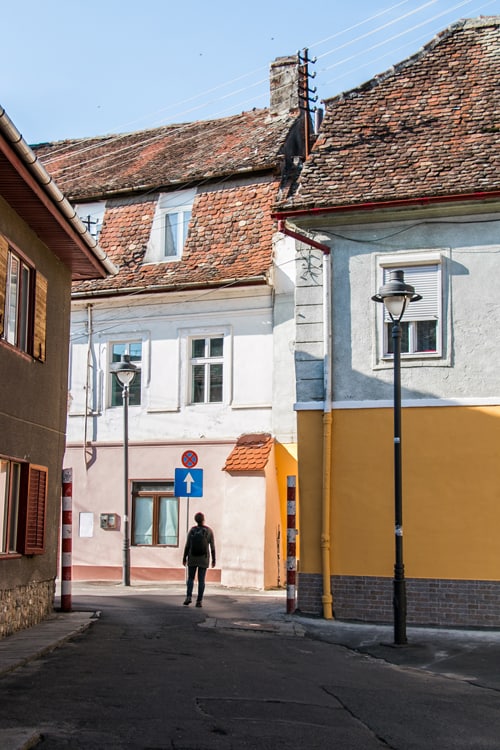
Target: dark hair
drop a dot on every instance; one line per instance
(199, 518)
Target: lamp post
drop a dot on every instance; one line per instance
(395, 295)
(125, 371)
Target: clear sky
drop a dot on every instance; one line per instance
(76, 68)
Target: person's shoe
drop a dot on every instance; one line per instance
(198, 604)
(187, 600)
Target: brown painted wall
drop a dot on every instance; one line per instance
(33, 399)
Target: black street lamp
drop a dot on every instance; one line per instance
(395, 295)
(125, 371)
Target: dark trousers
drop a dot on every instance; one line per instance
(201, 580)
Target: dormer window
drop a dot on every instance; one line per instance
(175, 231)
(170, 226)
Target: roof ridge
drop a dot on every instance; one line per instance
(159, 128)
(461, 25)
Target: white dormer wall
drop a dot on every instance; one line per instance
(92, 216)
(180, 201)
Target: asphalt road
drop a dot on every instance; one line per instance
(153, 674)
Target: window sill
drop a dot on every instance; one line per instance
(19, 352)
(159, 261)
(416, 360)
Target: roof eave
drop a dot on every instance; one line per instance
(32, 193)
(349, 208)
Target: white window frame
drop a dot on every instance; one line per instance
(180, 204)
(206, 361)
(429, 285)
(138, 363)
(179, 229)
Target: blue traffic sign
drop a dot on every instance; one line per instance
(188, 483)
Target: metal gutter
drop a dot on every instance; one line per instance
(282, 227)
(14, 137)
(123, 291)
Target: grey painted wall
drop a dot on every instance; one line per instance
(470, 250)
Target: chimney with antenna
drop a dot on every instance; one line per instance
(284, 85)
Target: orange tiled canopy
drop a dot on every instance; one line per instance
(251, 453)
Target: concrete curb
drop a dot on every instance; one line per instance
(22, 647)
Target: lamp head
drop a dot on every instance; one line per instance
(396, 294)
(124, 370)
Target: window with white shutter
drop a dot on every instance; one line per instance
(421, 325)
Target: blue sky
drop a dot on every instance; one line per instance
(77, 68)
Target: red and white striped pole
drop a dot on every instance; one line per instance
(291, 543)
(67, 534)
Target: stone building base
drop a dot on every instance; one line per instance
(451, 603)
(25, 606)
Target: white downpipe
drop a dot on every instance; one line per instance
(90, 325)
(327, 598)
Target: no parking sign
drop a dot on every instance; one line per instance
(189, 459)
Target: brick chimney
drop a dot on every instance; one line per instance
(284, 85)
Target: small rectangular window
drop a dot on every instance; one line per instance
(134, 350)
(175, 232)
(20, 300)
(23, 495)
(421, 323)
(23, 302)
(10, 473)
(207, 370)
(155, 514)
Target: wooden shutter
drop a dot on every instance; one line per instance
(33, 542)
(4, 256)
(39, 332)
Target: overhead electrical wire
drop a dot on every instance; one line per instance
(119, 136)
(392, 38)
(196, 298)
(216, 124)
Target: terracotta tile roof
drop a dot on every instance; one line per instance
(230, 237)
(428, 127)
(251, 453)
(236, 164)
(167, 156)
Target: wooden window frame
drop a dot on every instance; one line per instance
(31, 510)
(156, 495)
(34, 341)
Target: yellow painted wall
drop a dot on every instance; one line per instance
(451, 492)
(286, 465)
(310, 457)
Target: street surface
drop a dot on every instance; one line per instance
(153, 674)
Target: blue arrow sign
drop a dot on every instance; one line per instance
(188, 483)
